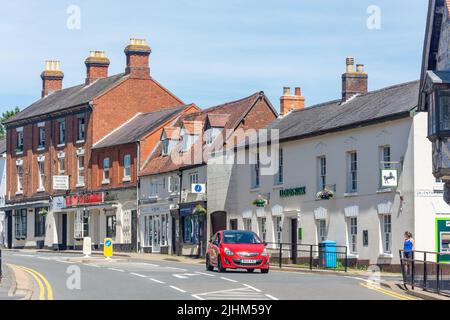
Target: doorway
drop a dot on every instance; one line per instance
(156, 239)
(9, 229)
(218, 221)
(294, 238)
(134, 231)
(64, 232)
(233, 224)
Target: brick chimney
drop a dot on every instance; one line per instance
(353, 81)
(97, 66)
(289, 102)
(52, 77)
(138, 56)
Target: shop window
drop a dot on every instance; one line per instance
(111, 226)
(322, 230)
(39, 222)
(277, 228)
(20, 225)
(353, 235)
(263, 228)
(81, 227)
(148, 238)
(387, 234)
(248, 224)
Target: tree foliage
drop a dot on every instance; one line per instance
(5, 116)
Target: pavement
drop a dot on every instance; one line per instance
(66, 276)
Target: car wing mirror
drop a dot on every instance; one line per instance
(265, 244)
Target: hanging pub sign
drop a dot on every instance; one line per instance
(389, 178)
(293, 192)
(84, 199)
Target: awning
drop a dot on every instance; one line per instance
(261, 212)
(321, 214)
(277, 210)
(351, 211)
(385, 208)
(247, 214)
(25, 205)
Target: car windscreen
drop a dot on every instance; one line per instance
(231, 237)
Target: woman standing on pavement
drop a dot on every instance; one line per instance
(408, 250)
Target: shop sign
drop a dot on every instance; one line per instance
(120, 195)
(61, 182)
(292, 192)
(155, 209)
(59, 203)
(84, 199)
(389, 178)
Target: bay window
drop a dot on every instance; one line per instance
(20, 225)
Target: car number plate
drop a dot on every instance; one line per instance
(249, 261)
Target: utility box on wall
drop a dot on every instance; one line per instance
(443, 238)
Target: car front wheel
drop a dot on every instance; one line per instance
(265, 270)
(209, 267)
(220, 268)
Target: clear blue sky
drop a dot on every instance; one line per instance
(213, 51)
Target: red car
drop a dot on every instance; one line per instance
(237, 250)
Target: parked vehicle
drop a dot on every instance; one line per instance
(233, 249)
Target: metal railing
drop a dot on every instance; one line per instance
(429, 271)
(309, 256)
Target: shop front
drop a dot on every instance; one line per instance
(193, 228)
(156, 228)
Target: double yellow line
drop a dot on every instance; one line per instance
(44, 285)
(386, 292)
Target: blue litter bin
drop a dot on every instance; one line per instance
(328, 254)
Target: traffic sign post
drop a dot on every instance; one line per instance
(108, 248)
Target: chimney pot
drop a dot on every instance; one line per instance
(97, 65)
(138, 57)
(52, 77)
(289, 102)
(353, 82)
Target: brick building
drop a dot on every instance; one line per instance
(50, 164)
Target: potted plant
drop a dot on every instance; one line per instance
(325, 195)
(43, 212)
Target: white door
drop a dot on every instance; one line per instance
(156, 246)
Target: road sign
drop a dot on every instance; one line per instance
(108, 247)
(198, 188)
(87, 246)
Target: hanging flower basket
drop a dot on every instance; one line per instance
(325, 195)
(260, 202)
(43, 212)
(199, 210)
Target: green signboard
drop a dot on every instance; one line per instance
(293, 192)
(443, 238)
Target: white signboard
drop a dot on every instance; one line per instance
(389, 178)
(61, 182)
(87, 246)
(198, 188)
(59, 203)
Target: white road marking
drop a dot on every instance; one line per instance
(197, 297)
(114, 269)
(24, 255)
(138, 275)
(226, 279)
(179, 276)
(146, 264)
(173, 268)
(205, 274)
(248, 286)
(157, 281)
(271, 297)
(178, 289)
(91, 265)
(64, 261)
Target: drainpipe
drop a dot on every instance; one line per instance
(138, 183)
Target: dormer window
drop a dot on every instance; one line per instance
(165, 147)
(212, 134)
(169, 139)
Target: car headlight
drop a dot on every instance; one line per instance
(228, 252)
(265, 253)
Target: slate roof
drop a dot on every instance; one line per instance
(384, 104)
(235, 110)
(137, 127)
(67, 98)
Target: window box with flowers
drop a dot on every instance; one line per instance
(325, 195)
(199, 210)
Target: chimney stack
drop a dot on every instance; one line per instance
(353, 82)
(52, 77)
(289, 102)
(97, 66)
(138, 56)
